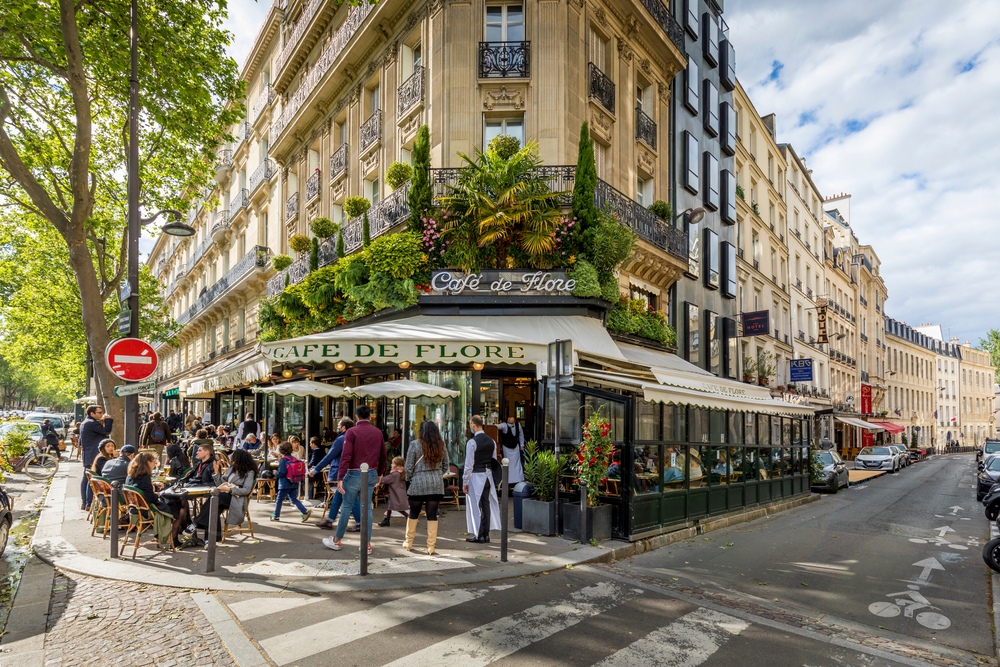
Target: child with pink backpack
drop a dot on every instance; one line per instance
(291, 472)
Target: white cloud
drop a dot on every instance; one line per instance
(893, 102)
(244, 21)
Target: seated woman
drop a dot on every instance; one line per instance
(105, 453)
(140, 471)
(177, 461)
(615, 469)
(234, 495)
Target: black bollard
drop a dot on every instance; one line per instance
(213, 526)
(505, 485)
(364, 519)
(583, 512)
(113, 510)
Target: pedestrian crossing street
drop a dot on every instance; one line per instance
(566, 618)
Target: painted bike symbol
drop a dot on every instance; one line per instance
(910, 601)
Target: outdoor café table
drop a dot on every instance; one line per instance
(195, 493)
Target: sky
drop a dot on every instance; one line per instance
(892, 102)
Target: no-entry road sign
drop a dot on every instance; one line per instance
(131, 359)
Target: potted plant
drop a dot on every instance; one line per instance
(749, 365)
(593, 459)
(765, 367)
(299, 243)
(792, 389)
(538, 514)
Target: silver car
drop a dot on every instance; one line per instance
(903, 457)
(877, 458)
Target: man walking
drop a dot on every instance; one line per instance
(482, 510)
(363, 444)
(95, 427)
(155, 432)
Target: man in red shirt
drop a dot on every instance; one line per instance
(363, 444)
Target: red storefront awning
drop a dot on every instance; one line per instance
(891, 428)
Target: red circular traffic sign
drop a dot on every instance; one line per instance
(131, 359)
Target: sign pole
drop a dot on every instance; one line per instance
(554, 360)
(134, 229)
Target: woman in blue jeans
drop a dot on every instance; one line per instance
(286, 487)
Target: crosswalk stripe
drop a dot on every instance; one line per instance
(496, 640)
(325, 635)
(247, 610)
(687, 642)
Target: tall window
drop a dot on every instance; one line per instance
(644, 191)
(504, 23)
(693, 325)
(512, 127)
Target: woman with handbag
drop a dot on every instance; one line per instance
(426, 464)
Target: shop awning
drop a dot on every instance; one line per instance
(403, 388)
(305, 388)
(867, 426)
(443, 339)
(248, 366)
(85, 400)
(891, 428)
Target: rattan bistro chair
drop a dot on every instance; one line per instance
(140, 518)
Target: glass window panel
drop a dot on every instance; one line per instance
(717, 426)
(763, 429)
(570, 409)
(779, 462)
(515, 128)
(697, 425)
(494, 24)
(674, 467)
(776, 431)
(786, 432)
(674, 423)
(751, 428)
(515, 23)
(762, 466)
(718, 464)
(450, 414)
(647, 469)
(649, 420)
(697, 471)
(735, 427)
(736, 472)
(494, 128)
(797, 432)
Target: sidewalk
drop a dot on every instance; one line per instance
(290, 556)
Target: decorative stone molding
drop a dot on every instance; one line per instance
(601, 16)
(413, 19)
(434, 6)
(370, 163)
(631, 25)
(663, 92)
(645, 161)
(409, 129)
(339, 192)
(503, 100)
(646, 66)
(601, 124)
(389, 55)
(625, 51)
(373, 66)
(355, 95)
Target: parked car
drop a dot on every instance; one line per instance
(988, 474)
(902, 457)
(834, 476)
(60, 424)
(6, 518)
(34, 430)
(877, 458)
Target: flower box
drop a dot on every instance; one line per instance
(538, 516)
(598, 522)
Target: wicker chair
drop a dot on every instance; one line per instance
(239, 527)
(452, 488)
(140, 518)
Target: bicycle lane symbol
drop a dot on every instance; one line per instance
(911, 600)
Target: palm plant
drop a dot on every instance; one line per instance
(500, 203)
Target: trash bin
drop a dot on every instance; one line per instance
(520, 491)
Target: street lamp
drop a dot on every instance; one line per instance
(692, 215)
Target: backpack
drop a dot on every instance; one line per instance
(157, 433)
(296, 469)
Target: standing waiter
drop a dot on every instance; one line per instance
(512, 440)
(482, 511)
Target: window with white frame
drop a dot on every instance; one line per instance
(512, 127)
(504, 23)
(644, 191)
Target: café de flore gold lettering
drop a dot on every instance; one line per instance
(502, 283)
(411, 351)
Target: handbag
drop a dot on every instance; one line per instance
(414, 471)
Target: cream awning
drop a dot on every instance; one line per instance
(85, 400)
(403, 388)
(305, 388)
(868, 426)
(490, 339)
(248, 366)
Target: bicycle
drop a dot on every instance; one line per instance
(36, 464)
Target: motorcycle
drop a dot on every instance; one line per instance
(991, 501)
(991, 554)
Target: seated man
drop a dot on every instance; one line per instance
(117, 469)
(251, 442)
(205, 470)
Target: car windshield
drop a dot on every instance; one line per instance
(826, 458)
(994, 464)
(875, 451)
(992, 446)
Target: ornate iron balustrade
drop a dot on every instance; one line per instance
(199, 252)
(257, 258)
(305, 18)
(241, 134)
(221, 221)
(240, 201)
(646, 224)
(323, 63)
(223, 159)
(371, 130)
(292, 206)
(504, 60)
(296, 272)
(312, 186)
(328, 251)
(645, 128)
(263, 101)
(338, 163)
(602, 88)
(411, 93)
(382, 217)
(162, 264)
(264, 172)
(559, 178)
(670, 26)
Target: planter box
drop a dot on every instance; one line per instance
(538, 517)
(598, 522)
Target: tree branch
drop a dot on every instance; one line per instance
(38, 60)
(79, 166)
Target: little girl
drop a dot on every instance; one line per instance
(395, 482)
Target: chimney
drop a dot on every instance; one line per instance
(770, 122)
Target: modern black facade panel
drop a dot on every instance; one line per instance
(727, 60)
(727, 210)
(710, 39)
(727, 138)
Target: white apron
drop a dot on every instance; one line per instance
(515, 473)
(477, 481)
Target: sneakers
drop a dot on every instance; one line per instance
(331, 543)
(383, 523)
(274, 517)
(187, 533)
(305, 517)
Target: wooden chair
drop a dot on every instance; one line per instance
(102, 495)
(379, 492)
(451, 486)
(222, 458)
(239, 527)
(262, 484)
(89, 474)
(140, 517)
(612, 487)
(74, 448)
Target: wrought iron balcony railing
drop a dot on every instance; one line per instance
(296, 272)
(602, 88)
(646, 224)
(371, 130)
(220, 221)
(670, 26)
(504, 60)
(305, 18)
(338, 163)
(382, 217)
(223, 159)
(645, 128)
(292, 206)
(264, 172)
(239, 202)
(263, 101)
(411, 93)
(199, 252)
(257, 258)
(312, 186)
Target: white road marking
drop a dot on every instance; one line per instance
(247, 610)
(943, 530)
(687, 642)
(928, 564)
(491, 642)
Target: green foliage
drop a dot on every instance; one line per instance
(609, 244)
(740, 193)
(340, 243)
(397, 174)
(366, 231)
(610, 291)
(398, 255)
(299, 243)
(588, 283)
(355, 206)
(633, 316)
(505, 146)
(585, 183)
(323, 227)
(662, 210)
(281, 262)
(541, 470)
(319, 289)
(766, 365)
(351, 272)
(384, 291)
(991, 344)
(290, 304)
(421, 195)
(314, 254)
(815, 468)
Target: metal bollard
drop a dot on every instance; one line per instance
(583, 512)
(365, 508)
(213, 526)
(505, 485)
(113, 509)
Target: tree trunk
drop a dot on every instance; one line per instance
(95, 328)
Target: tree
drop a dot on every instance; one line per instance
(366, 232)
(585, 182)
(64, 92)
(421, 195)
(991, 344)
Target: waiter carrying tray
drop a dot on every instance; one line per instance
(482, 510)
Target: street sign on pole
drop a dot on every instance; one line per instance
(124, 322)
(131, 389)
(131, 359)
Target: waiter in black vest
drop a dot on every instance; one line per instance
(482, 510)
(512, 440)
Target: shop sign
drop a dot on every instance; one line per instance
(866, 399)
(757, 323)
(725, 390)
(496, 282)
(411, 351)
(821, 337)
(800, 370)
(171, 393)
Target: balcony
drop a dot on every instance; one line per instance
(410, 94)
(559, 178)
(602, 89)
(670, 26)
(647, 225)
(292, 42)
(756, 265)
(739, 253)
(255, 260)
(338, 163)
(798, 283)
(223, 163)
(864, 338)
(863, 300)
(264, 172)
(220, 226)
(382, 217)
(645, 128)
(240, 202)
(292, 207)
(504, 60)
(802, 336)
(263, 101)
(199, 252)
(312, 186)
(371, 131)
(296, 272)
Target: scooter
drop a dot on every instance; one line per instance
(991, 501)
(991, 552)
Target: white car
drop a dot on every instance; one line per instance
(877, 458)
(903, 456)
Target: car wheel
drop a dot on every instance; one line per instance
(992, 511)
(4, 534)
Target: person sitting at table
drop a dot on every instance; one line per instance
(177, 461)
(674, 472)
(250, 443)
(105, 453)
(117, 469)
(395, 484)
(140, 471)
(200, 438)
(396, 442)
(234, 495)
(204, 473)
(615, 469)
(298, 451)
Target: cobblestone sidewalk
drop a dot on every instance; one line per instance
(100, 622)
(819, 625)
